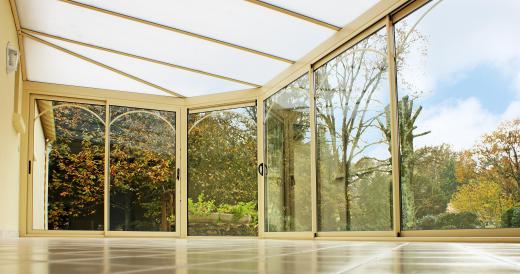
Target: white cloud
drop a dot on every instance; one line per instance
(460, 36)
(464, 34)
(511, 112)
(460, 124)
(517, 85)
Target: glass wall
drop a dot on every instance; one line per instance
(142, 169)
(287, 144)
(459, 115)
(222, 179)
(458, 110)
(354, 169)
(68, 166)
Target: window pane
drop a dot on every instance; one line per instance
(68, 166)
(222, 180)
(459, 115)
(142, 170)
(287, 159)
(354, 165)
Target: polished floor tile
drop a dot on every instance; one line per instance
(139, 256)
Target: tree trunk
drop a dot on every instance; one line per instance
(407, 167)
(288, 172)
(406, 127)
(167, 208)
(346, 176)
(127, 211)
(164, 211)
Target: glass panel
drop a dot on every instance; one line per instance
(336, 12)
(69, 70)
(459, 115)
(222, 180)
(142, 170)
(354, 169)
(287, 159)
(177, 80)
(231, 21)
(83, 25)
(68, 166)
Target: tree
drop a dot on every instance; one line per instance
(142, 169)
(485, 199)
(222, 149)
(76, 169)
(488, 175)
(434, 179)
(222, 156)
(498, 157)
(347, 106)
(287, 133)
(372, 199)
(407, 117)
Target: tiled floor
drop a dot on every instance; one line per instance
(77, 256)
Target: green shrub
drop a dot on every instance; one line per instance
(201, 207)
(463, 220)
(205, 208)
(506, 217)
(515, 219)
(239, 210)
(427, 222)
(458, 220)
(511, 217)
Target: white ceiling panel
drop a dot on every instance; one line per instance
(336, 12)
(235, 21)
(180, 81)
(69, 21)
(257, 31)
(46, 64)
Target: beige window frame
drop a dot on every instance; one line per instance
(51, 93)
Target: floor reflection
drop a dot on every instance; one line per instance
(78, 256)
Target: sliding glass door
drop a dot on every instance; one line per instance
(103, 169)
(222, 180)
(353, 139)
(287, 159)
(142, 169)
(67, 165)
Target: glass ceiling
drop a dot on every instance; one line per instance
(45, 64)
(335, 12)
(176, 48)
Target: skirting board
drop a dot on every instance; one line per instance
(8, 234)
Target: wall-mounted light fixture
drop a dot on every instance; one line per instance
(12, 57)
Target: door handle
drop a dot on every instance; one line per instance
(261, 169)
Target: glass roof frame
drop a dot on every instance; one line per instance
(26, 30)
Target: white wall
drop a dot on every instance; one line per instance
(9, 138)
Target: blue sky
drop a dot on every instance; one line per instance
(470, 75)
(469, 79)
(491, 87)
